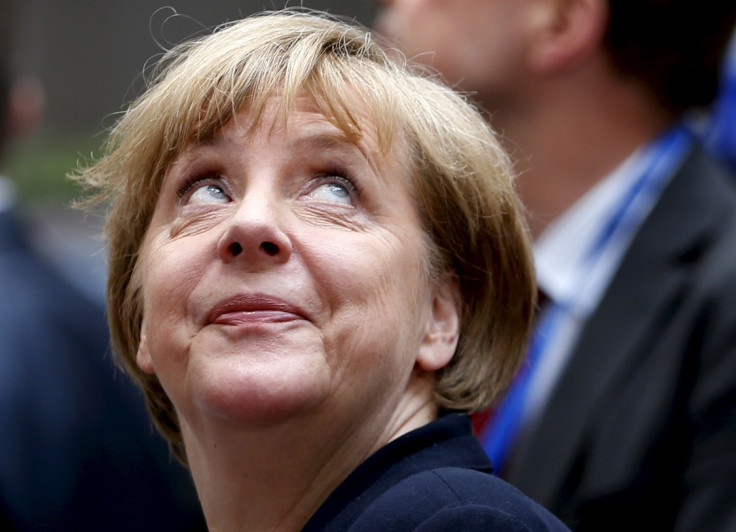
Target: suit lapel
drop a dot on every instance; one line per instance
(636, 303)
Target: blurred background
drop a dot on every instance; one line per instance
(89, 56)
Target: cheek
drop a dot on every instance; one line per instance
(375, 333)
(450, 35)
(432, 25)
(377, 297)
(171, 268)
(169, 274)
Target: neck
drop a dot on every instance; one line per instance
(570, 134)
(274, 477)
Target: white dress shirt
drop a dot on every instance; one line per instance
(578, 254)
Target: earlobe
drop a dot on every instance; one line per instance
(143, 357)
(443, 327)
(565, 32)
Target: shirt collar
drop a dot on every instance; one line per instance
(561, 250)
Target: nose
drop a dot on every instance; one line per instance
(254, 236)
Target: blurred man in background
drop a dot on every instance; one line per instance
(77, 451)
(625, 414)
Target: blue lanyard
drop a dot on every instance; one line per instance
(498, 438)
(663, 156)
(719, 134)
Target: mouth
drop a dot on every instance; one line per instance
(244, 309)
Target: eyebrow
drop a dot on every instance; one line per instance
(323, 141)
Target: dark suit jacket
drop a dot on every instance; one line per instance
(435, 478)
(641, 428)
(77, 451)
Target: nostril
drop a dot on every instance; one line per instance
(235, 249)
(270, 248)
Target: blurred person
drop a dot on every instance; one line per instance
(77, 451)
(719, 129)
(308, 241)
(625, 413)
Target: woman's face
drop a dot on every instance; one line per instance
(284, 274)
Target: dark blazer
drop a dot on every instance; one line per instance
(641, 428)
(77, 451)
(435, 478)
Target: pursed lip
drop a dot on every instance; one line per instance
(250, 308)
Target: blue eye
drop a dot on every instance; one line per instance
(208, 189)
(208, 193)
(333, 189)
(331, 192)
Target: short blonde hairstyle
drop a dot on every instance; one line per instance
(461, 178)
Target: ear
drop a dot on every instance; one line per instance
(443, 326)
(565, 32)
(143, 357)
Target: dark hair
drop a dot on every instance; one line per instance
(675, 47)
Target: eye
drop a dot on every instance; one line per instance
(204, 190)
(333, 189)
(208, 193)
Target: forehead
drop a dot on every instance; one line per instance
(304, 128)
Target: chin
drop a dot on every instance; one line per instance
(258, 394)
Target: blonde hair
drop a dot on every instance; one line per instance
(460, 176)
